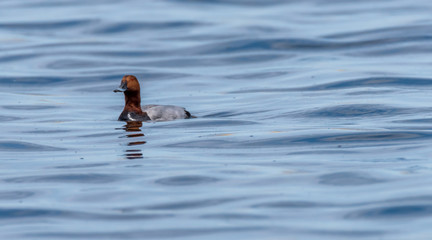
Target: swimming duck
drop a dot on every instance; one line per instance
(133, 110)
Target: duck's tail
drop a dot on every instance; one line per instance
(189, 115)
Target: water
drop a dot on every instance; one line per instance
(314, 120)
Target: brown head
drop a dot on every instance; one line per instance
(129, 84)
(131, 89)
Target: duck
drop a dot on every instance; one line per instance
(133, 111)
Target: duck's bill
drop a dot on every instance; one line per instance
(122, 87)
(119, 90)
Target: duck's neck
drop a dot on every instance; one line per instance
(133, 102)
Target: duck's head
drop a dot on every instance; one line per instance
(128, 84)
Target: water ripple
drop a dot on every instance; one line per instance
(145, 234)
(8, 118)
(38, 26)
(348, 179)
(233, 216)
(393, 212)
(292, 44)
(207, 123)
(290, 204)
(411, 30)
(373, 82)
(67, 178)
(182, 205)
(185, 180)
(15, 195)
(11, 213)
(246, 3)
(17, 146)
(29, 107)
(115, 28)
(367, 138)
(355, 110)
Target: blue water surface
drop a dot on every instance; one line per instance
(314, 120)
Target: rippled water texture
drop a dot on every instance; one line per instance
(314, 120)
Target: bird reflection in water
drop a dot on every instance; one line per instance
(134, 131)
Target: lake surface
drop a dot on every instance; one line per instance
(314, 120)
